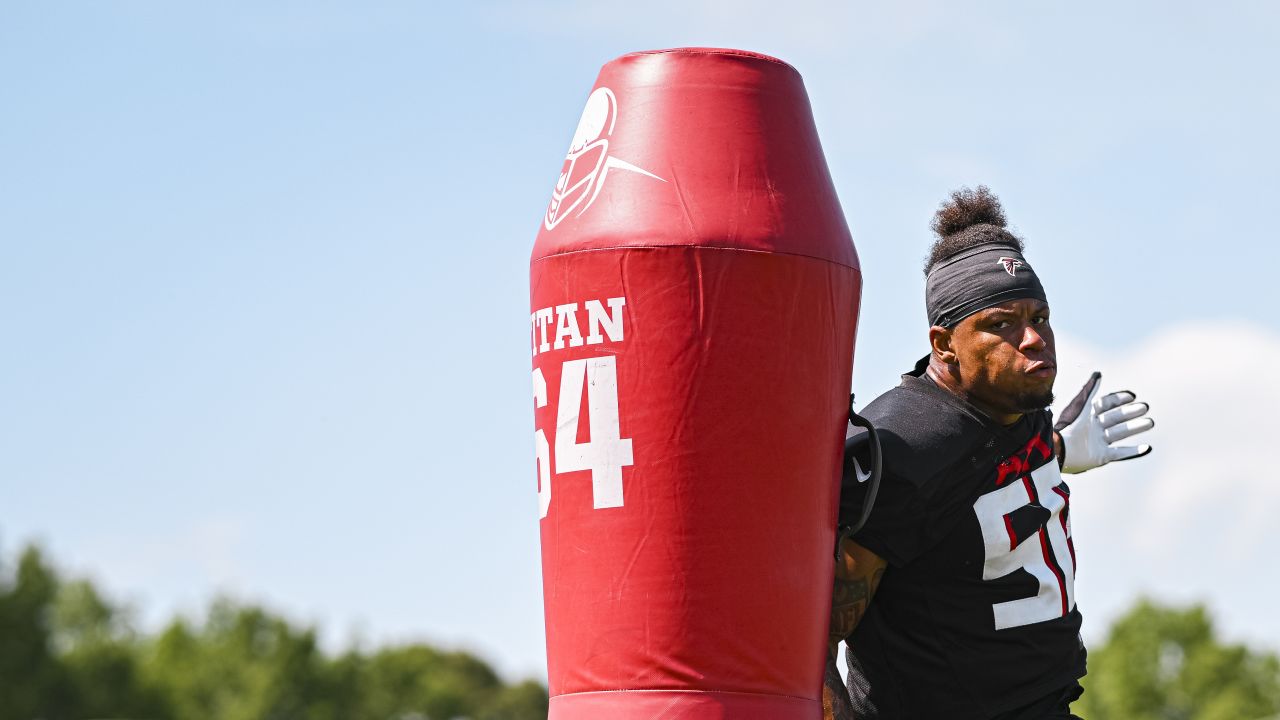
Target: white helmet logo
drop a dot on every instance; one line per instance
(588, 161)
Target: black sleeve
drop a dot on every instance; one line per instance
(920, 492)
(896, 529)
(856, 471)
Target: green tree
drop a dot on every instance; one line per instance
(1162, 663)
(420, 680)
(97, 647)
(65, 653)
(242, 664)
(68, 653)
(523, 701)
(30, 675)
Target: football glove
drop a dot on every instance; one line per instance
(1090, 427)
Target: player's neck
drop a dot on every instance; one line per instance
(948, 378)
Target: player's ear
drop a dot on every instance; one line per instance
(940, 341)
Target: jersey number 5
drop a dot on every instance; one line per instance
(1026, 525)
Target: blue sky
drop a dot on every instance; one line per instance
(264, 277)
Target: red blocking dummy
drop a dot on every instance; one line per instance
(694, 298)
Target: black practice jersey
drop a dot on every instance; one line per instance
(976, 614)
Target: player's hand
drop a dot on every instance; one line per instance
(1091, 427)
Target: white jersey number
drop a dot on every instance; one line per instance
(1046, 553)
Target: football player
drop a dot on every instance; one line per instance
(967, 551)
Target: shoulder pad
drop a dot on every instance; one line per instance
(920, 432)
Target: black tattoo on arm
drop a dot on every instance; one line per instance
(858, 574)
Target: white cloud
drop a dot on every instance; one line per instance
(1195, 520)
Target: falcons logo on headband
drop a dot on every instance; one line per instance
(1011, 265)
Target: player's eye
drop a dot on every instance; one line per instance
(1039, 319)
(1001, 325)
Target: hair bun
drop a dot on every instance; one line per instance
(967, 208)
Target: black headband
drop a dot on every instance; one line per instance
(978, 278)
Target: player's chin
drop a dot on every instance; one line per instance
(1035, 396)
(1028, 392)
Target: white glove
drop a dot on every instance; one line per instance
(1089, 427)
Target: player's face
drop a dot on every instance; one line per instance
(1006, 356)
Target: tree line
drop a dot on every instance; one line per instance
(68, 653)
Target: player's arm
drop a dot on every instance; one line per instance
(857, 569)
(858, 573)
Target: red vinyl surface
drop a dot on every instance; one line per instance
(694, 299)
(680, 705)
